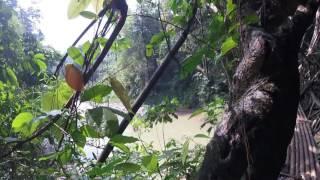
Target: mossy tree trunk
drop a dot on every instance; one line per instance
(252, 138)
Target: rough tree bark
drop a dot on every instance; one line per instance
(252, 138)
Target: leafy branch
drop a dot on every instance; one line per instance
(123, 11)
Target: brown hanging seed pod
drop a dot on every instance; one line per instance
(74, 77)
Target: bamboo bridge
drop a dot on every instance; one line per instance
(301, 162)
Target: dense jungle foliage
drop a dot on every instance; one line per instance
(41, 139)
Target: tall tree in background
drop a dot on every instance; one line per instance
(20, 43)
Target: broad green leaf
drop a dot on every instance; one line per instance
(85, 47)
(128, 167)
(25, 124)
(234, 28)
(184, 152)
(88, 14)
(190, 63)
(121, 92)
(217, 30)
(102, 41)
(149, 50)
(79, 138)
(150, 163)
(228, 45)
(122, 147)
(157, 38)
(180, 20)
(76, 55)
(123, 139)
(33, 125)
(121, 44)
(89, 131)
(77, 6)
(96, 93)
(12, 78)
(230, 7)
(105, 121)
(21, 121)
(42, 65)
(39, 56)
(96, 116)
(65, 156)
(56, 98)
(96, 54)
(39, 61)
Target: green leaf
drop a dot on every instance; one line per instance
(56, 98)
(122, 147)
(149, 50)
(39, 61)
(190, 63)
(79, 138)
(184, 152)
(105, 121)
(89, 131)
(157, 38)
(228, 45)
(47, 157)
(150, 163)
(180, 20)
(121, 92)
(77, 6)
(230, 7)
(121, 44)
(196, 113)
(85, 47)
(39, 56)
(65, 156)
(202, 136)
(42, 65)
(25, 124)
(217, 30)
(21, 121)
(88, 14)
(128, 167)
(76, 55)
(12, 78)
(123, 139)
(96, 93)
(102, 41)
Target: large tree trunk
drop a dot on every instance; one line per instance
(252, 139)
